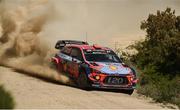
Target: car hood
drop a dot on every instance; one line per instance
(111, 68)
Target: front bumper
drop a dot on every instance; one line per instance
(131, 84)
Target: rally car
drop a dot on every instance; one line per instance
(93, 66)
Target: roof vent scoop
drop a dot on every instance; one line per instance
(96, 46)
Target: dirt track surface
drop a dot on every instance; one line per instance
(31, 92)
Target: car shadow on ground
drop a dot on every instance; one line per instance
(110, 90)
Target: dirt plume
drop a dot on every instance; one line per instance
(21, 46)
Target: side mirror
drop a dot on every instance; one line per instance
(122, 59)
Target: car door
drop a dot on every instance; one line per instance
(66, 58)
(76, 61)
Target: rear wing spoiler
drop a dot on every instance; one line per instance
(61, 43)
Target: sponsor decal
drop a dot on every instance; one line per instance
(112, 67)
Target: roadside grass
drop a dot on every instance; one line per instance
(161, 88)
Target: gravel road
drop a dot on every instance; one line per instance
(30, 92)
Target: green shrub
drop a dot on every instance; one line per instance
(161, 88)
(161, 47)
(6, 100)
(158, 57)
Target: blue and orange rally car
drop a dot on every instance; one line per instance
(93, 66)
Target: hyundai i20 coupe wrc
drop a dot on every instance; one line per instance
(93, 66)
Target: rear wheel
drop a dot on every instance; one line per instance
(83, 82)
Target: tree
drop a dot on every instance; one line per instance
(159, 57)
(161, 48)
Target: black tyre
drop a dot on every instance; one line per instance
(83, 82)
(129, 91)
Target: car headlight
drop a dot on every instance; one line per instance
(97, 77)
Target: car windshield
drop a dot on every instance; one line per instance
(102, 56)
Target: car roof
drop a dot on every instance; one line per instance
(89, 47)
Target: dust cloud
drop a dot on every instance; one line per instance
(21, 46)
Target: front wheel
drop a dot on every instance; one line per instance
(83, 82)
(129, 91)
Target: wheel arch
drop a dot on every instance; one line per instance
(84, 68)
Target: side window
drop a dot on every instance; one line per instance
(66, 50)
(110, 57)
(77, 54)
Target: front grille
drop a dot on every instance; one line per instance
(116, 80)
